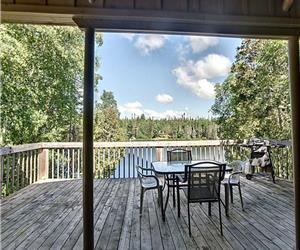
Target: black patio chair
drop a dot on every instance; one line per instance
(177, 154)
(149, 182)
(203, 181)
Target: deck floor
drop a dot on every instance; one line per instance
(49, 216)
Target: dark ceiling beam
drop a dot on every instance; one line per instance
(193, 26)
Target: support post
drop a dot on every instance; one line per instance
(43, 164)
(294, 74)
(88, 106)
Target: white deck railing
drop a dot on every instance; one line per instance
(25, 164)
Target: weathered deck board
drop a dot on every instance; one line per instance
(49, 216)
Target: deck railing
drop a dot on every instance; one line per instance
(25, 164)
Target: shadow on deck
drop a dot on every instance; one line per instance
(49, 216)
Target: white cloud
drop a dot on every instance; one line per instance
(204, 88)
(133, 105)
(153, 114)
(194, 75)
(182, 50)
(173, 113)
(201, 43)
(161, 115)
(136, 108)
(195, 44)
(212, 66)
(147, 43)
(164, 98)
(131, 108)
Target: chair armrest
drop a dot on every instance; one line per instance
(146, 169)
(234, 173)
(151, 176)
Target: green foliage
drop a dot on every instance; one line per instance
(254, 100)
(107, 128)
(41, 83)
(107, 123)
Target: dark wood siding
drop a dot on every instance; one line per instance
(120, 4)
(148, 5)
(211, 7)
(175, 5)
(260, 7)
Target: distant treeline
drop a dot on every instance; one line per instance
(142, 128)
(110, 127)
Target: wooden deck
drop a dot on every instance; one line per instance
(49, 216)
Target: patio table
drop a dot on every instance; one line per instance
(178, 168)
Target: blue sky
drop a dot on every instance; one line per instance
(164, 75)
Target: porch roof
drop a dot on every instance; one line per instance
(225, 17)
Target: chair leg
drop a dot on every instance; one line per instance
(241, 197)
(141, 200)
(226, 189)
(209, 208)
(165, 181)
(174, 199)
(178, 201)
(158, 197)
(167, 198)
(220, 216)
(160, 191)
(231, 193)
(189, 219)
(273, 175)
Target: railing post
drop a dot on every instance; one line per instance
(159, 153)
(43, 164)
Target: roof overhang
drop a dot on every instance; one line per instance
(157, 21)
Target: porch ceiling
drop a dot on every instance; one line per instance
(225, 17)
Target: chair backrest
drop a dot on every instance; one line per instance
(139, 172)
(179, 154)
(204, 180)
(238, 166)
